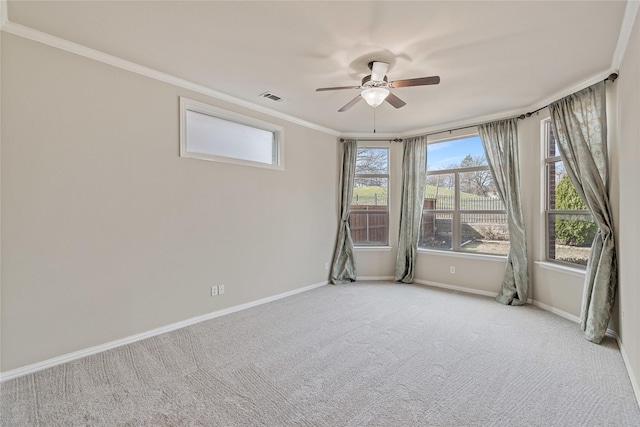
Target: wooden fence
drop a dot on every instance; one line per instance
(369, 224)
(446, 202)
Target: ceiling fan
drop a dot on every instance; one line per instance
(376, 87)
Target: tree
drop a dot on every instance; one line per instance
(479, 182)
(574, 231)
(371, 161)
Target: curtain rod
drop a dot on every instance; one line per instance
(612, 78)
(374, 140)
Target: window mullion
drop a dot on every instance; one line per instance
(568, 231)
(369, 218)
(462, 211)
(455, 243)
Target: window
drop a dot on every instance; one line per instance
(210, 133)
(369, 219)
(570, 228)
(462, 209)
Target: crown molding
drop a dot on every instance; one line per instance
(626, 28)
(630, 14)
(96, 55)
(4, 13)
(476, 121)
(570, 90)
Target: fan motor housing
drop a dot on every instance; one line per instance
(367, 82)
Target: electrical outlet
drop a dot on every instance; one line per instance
(220, 289)
(452, 270)
(214, 291)
(326, 265)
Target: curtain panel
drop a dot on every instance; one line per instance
(343, 268)
(500, 141)
(580, 123)
(414, 180)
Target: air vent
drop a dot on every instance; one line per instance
(272, 96)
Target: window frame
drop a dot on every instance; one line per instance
(457, 213)
(546, 202)
(360, 245)
(187, 104)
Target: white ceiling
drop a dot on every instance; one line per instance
(494, 58)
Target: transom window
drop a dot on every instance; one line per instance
(462, 210)
(210, 133)
(369, 219)
(570, 227)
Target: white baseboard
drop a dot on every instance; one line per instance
(456, 288)
(367, 278)
(627, 364)
(15, 373)
(556, 311)
(632, 377)
(29, 369)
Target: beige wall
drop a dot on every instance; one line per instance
(107, 232)
(559, 289)
(628, 227)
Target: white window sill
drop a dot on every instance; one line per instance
(372, 248)
(572, 271)
(484, 257)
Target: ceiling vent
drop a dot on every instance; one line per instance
(272, 96)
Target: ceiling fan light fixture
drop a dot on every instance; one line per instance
(375, 95)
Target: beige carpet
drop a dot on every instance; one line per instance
(378, 354)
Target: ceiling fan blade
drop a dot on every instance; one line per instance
(420, 81)
(395, 101)
(350, 104)
(337, 88)
(378, 71)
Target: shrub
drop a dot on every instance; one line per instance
(574, 231)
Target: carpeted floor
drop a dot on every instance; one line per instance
(378, 354)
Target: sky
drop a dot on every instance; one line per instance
(442, 154)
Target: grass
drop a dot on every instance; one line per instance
(366, 195)
(430, 191)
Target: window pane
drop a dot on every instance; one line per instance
(369, 225)
(436, 230)
(219, 137)
(440, 192)
(570, 237)
(372, 161)
(370, 192)
(563, 195)
(458, 153)
(369, 219)
(555, 174)
(484, 233)
(552, 144)
(478, 192)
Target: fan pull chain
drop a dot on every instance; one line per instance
(374, 120)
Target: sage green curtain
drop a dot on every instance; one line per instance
(500, 141)
(580, 123)
(343, 268)
(414, 180)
